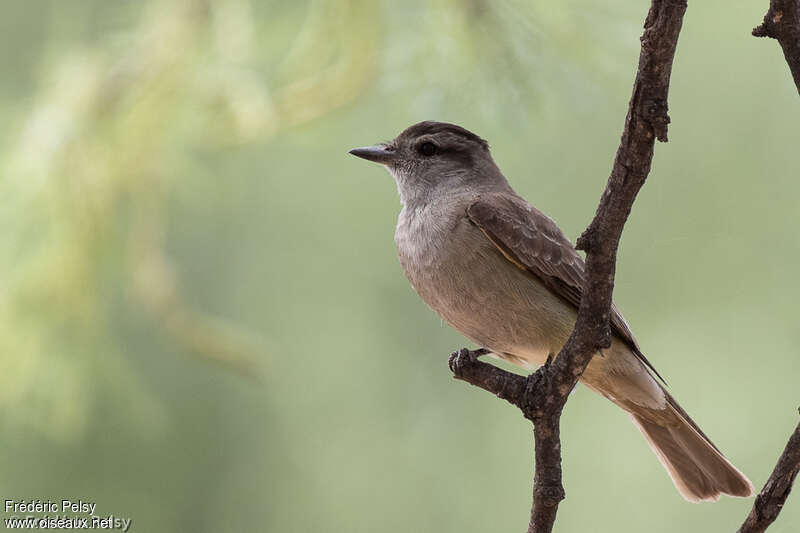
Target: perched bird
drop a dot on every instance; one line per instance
(503, 274)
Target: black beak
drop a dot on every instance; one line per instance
(378, 153)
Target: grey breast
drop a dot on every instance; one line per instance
(463, 277)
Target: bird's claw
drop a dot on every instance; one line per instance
(462, 358)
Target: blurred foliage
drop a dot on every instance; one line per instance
(175, 183)
(92, 171)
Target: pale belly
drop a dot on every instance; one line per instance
(508, 311)
(479, 293)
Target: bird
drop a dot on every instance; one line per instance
(503, 274)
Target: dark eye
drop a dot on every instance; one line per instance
(427, 149)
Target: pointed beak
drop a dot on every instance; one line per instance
(378, 153)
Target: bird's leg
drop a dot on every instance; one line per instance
(535, 379)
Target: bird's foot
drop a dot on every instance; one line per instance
(463, 358)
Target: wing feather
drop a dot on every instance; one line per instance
(533, 242)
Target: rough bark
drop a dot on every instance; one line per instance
(542, 395)
(770, 500)
(782, 23)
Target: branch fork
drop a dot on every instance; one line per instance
(532, 394)
(542, 395)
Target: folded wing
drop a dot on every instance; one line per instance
(534, 243)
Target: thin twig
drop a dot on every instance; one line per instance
(542, 396)
(782, 23)
(770, 500)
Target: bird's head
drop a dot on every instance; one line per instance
(430, 159)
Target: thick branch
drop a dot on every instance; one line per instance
(770, 500)
(647, 120)
(782, 23)
(542, 396)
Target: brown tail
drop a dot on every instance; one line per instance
(698, 469)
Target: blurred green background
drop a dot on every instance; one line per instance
(203, 325)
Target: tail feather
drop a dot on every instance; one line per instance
(698, 469)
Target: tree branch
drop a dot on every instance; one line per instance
(770, 500)
(782, 23)
(542, 395)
